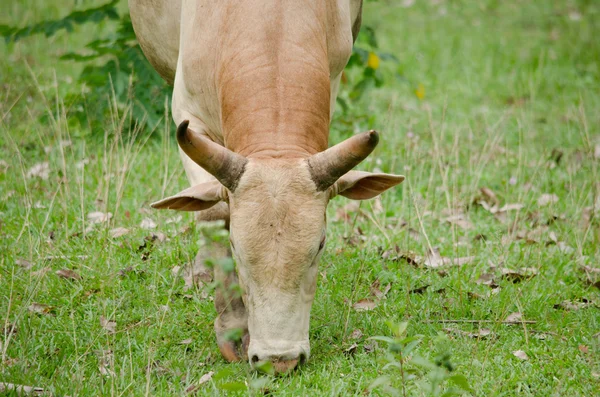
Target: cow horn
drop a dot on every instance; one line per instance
(220, 162)
(328, 166)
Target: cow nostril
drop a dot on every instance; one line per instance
(255, 359)
(302, 358)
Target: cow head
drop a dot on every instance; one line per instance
(277, 228)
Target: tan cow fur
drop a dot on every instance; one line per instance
(260, 77)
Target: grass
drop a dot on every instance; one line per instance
(512, 93)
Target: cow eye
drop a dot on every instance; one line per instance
(322, 244)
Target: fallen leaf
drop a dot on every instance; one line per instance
(489, 196)
(186, 341)
(118, 232)
(461, 221)
(376, 292)
(157, 236)
(573, 305)
(434, 260)
(516, 276)
(514, 318)
(364, 305)
(584, 349)
(356, 334)
(8, 329)
(206, 377)
(21, 389)
(105, 362)
(419, 290)
(68, 274)
(40, 308)
(351, 350)
(3, 166)
(108, 325)
(520, 354)
(148, 223)
(546, 199)
(590, 269)
(597, 151)
(99, 217)
(487, 279)
(25, 264)
(39, 170)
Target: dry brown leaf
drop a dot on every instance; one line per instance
(203, 379)
(105, 362)
(516, 276)
(108, 325)
(25, 264)
(419, 290)
(375, 289)
(573, 305)
(148, 223)
(514, 318)
(461, 221)
(21, 389)
(157, 236)
(489, 196)
(520, 354)
(589, 269)
(118, 232)
(206, 377)
(546, 199)
(39, 170)
(364, 305)
(99, 217)
(584, 349)
(8, 329)
(3, 166)
(597, 151)
(68, 274)
(186, 341)
(434, 260)
(40, 308)
(356, 334)
(486, 279)
(351, 350)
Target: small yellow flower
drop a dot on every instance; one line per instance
(420, 91)
(373, 61)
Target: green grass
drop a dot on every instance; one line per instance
(509, 85)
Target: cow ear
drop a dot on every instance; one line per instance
(360, 185)
(196, 198)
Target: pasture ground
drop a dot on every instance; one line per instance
(509, 100)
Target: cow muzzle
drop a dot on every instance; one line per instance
(284, 355)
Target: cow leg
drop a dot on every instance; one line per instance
(231, 324)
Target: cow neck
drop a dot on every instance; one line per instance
(274, 87)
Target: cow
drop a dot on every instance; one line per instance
(254, 88)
